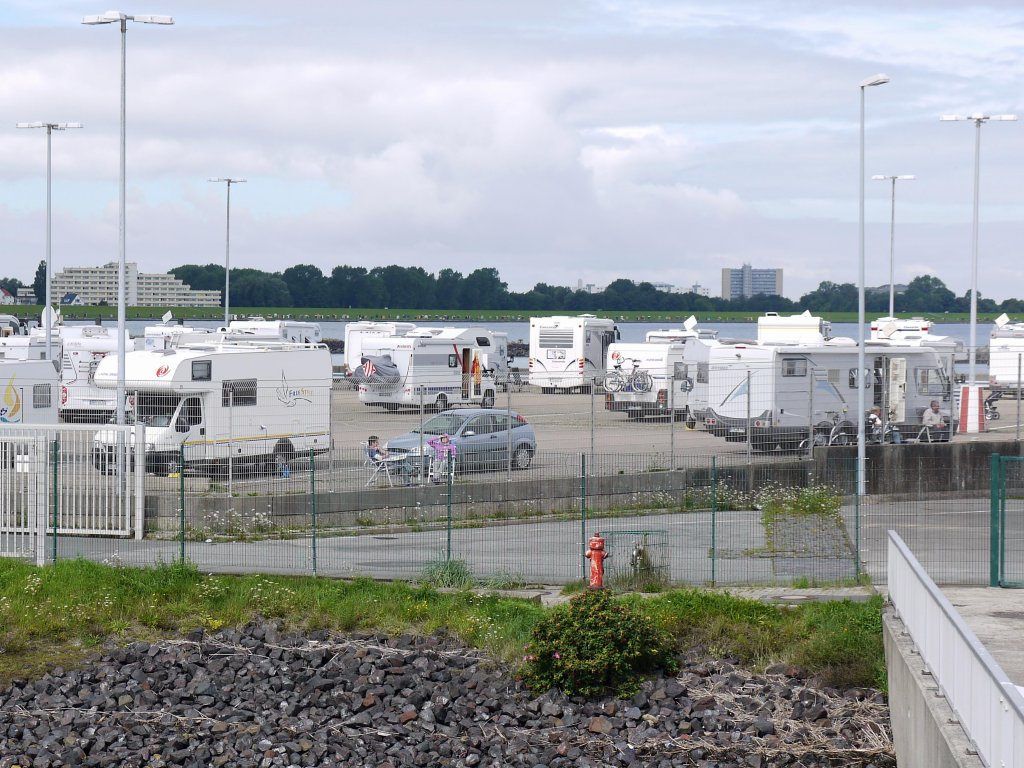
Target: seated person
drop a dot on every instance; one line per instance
(875, 424)
(378, 454)
(935, 422)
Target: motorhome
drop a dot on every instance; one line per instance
(24, 347)
(295, 331)
(11, 326)
(81, 348)
(569, 353)
(917, 331)
(28, 392)
(777, 393)
(647, 379)
(254, 403)
(1005, 355)
(433, 367)
(367, 329)
(773, 328)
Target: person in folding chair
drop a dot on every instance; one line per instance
(445, 452)
(383, 462)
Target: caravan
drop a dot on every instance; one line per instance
(212, 404)
(1005, 355)
(81, 348)
(776, 394)
(569, 353)
(28, 392)
(435, 367)
(356, 332)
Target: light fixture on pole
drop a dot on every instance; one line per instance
(227, 250)
(112, 17)
(862, 378)
(978, 120)
(48, 312)
(892, 240)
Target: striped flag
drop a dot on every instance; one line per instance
(369, 368)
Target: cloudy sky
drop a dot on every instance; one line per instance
(555, 140)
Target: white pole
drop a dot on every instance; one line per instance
(227, 260)
(973, 352)
(49, 300)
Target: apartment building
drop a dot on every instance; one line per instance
(96, 285)
(745, 282)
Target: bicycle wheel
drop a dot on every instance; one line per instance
(642, 381)
(613, 382)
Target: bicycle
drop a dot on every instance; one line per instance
(636, 380)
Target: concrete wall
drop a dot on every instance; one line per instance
(925, 732)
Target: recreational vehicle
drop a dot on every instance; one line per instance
(262, 404)
(11, 326)
(81, 348)
(917, 331)
(777, 393)
(368, 329)
(1005, 355)
(435, 367)
(773, 328)
(28, 392)
(295, 331)
(569, 353)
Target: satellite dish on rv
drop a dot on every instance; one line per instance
(1002, 320)
(691, 323)
(166, 317)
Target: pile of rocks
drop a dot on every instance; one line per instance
(259, 697)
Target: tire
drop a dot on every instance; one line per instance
(642, 382)
(168, 465)
(284, 451)
(488, 399)
(994, 416)
(441, 404)
(521, 457)
(691, 420)
(613, 383)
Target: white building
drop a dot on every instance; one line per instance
(96, 285)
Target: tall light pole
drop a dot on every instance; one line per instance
(111, 17)
(892, 239)
(978, 120)
(48, 312)
(227, 250)
(862, 378)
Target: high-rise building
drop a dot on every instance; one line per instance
(96, 285)
(745, 282)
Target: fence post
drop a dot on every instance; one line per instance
(450, 463)
(140, 481)
(749, 446)
(714, 513)
(857, 495)
(181, 492)
(672, 421)
(56, 495)
(583, 515)
(1018, 397)
(312, 501)
(995, 522)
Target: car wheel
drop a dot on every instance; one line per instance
(521, 457)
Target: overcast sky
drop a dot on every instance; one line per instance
(555, 140)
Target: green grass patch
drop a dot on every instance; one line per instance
(59, 614)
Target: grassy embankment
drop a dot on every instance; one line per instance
(61, 614)
(109, 314)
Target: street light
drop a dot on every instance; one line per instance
(978, 120)
(892, 240)
(110, 17)
(227, 250)
(861, 374)
(48, 312)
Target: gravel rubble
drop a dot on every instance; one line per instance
(262, 697)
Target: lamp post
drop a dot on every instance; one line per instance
(892, 240)
(227, 249)
(861, 375)
(111, 17)
(48, 312)
(978, 120)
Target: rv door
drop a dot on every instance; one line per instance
(190, 428)
(898, 388)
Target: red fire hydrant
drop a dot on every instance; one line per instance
(597, 555)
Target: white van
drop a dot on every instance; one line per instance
(569, 353)
(257, 403)
(28, 392)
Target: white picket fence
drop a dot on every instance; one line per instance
(50, 480)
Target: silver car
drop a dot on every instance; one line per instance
(484, 438)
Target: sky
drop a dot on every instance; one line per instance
(558, 142)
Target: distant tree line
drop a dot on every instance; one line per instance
(395, 287)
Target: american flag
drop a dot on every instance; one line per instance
(369, 368)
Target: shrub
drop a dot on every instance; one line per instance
(595, 644)
(448, 574)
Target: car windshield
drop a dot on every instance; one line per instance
(157, 420)
(443, 423)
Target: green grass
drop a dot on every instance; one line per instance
(60, 614)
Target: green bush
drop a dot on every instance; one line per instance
(593, 645)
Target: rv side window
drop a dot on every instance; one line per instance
(42, 397)
(679, 371)
(854, 384)
(453, 361)
(201, 370)
(483, 341)
(240, 392)
(930, 381)
(794, 367)
(702, 373)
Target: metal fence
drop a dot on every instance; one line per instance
(677, 504)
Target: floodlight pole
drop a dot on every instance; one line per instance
(892, 240)
(227, 249)
(862, 378)
(50, 128)
(978, 120)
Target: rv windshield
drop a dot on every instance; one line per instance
(442, 424)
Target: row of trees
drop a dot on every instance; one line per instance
(395, 287)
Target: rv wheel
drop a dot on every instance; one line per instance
(169, 465)
(488, 399)
(691, 421)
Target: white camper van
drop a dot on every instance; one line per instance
(368, 329)
(779, 391)
(81, 348)
(773, 328)
(1005, 355)
(569, 353)
(28, 392)
(295, 331)
(438, 367)
(258, 403)
(917, 331)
